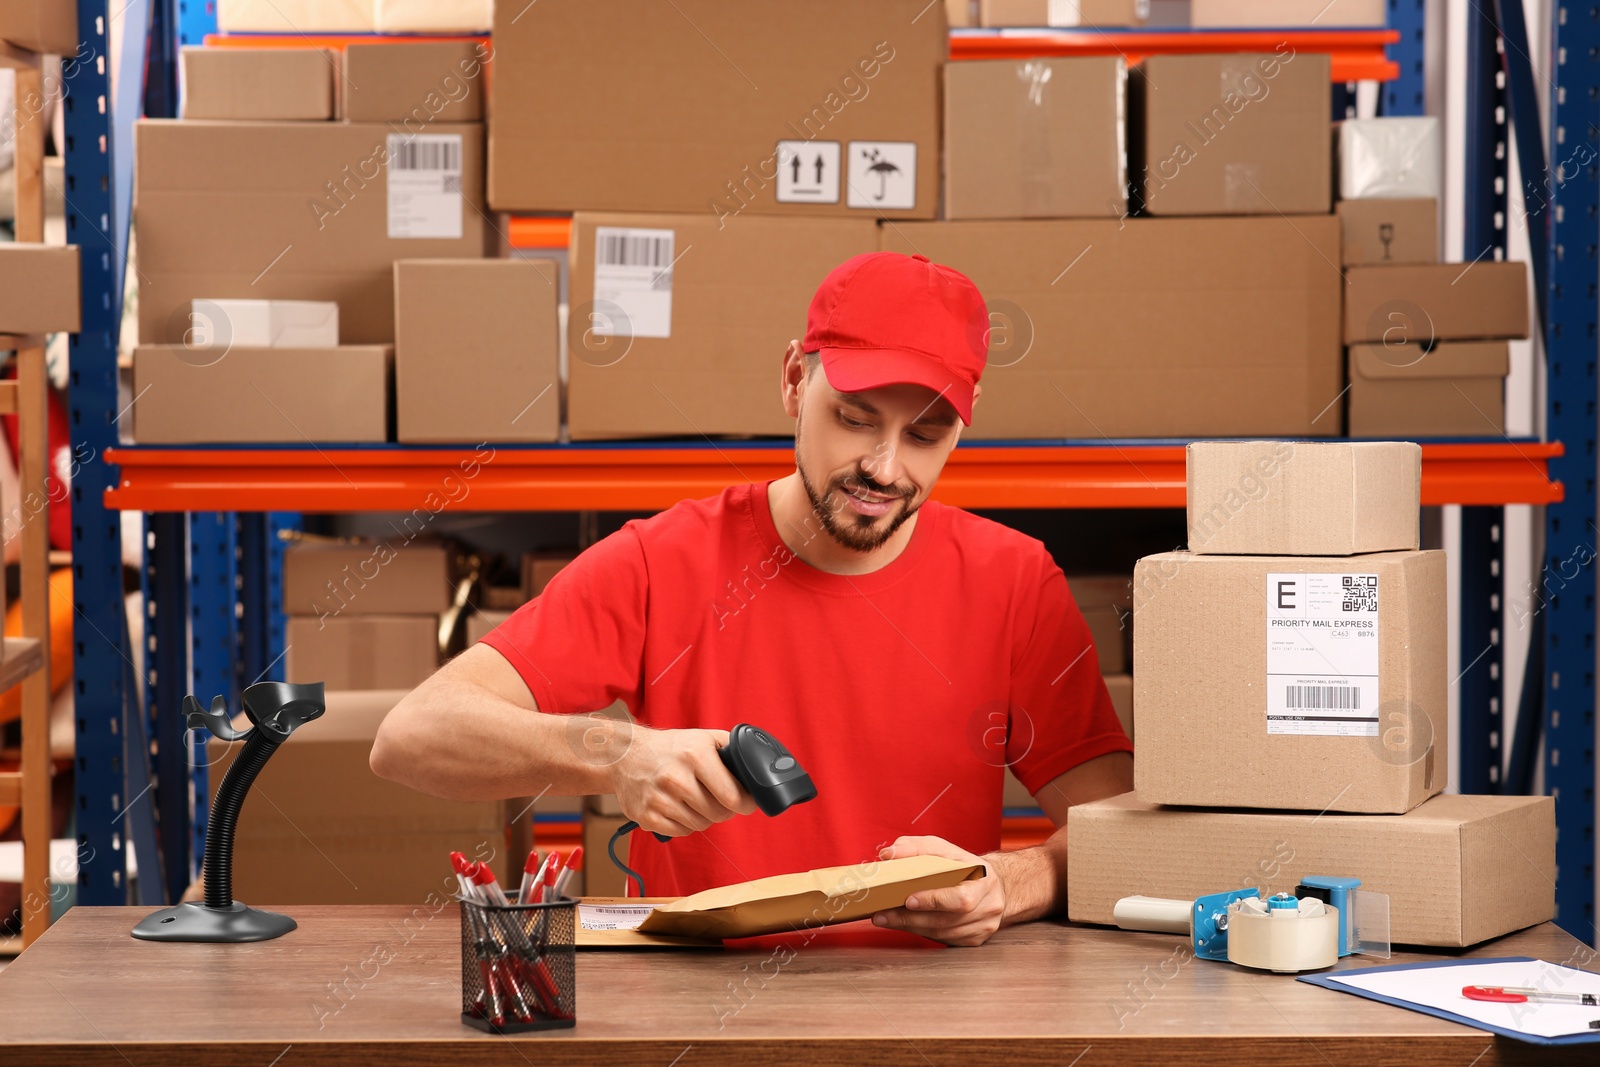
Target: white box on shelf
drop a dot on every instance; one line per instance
(263, 324)
(1389, 157)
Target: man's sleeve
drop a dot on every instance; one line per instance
(579, 645)
(1061, 714)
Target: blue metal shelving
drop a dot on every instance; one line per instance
(199, 566)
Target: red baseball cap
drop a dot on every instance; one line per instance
(885, 318)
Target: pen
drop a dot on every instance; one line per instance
(574, 863)
(1522, 994)
(528, 880)
(547, 886)
(483, 877)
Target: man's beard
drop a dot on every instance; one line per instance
(861, 533)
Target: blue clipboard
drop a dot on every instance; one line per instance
(1330, 981)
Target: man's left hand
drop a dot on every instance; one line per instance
(966, 914)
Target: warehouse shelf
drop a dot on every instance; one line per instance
(1354, 55)
(652, 476)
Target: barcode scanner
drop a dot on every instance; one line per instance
(760, 763)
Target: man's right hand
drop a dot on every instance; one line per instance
(673, 782)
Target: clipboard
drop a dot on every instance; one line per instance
(1331, 981)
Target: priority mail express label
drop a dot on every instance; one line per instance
(1322, 654)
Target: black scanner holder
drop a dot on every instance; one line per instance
(765, 768)
(276, 710)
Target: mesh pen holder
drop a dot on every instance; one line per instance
(518, 966)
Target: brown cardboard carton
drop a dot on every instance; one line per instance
(298, 211)
(1089, 14)
(1106, 601)
(362, 651)
(416, 84)
(1457, 870)
(539, 567)
(1481, 301)
(1107, 630)
(1120, 686)
(1038, 138)
(46, 26)
(825, 108)
(326, 579)
(961, 14)
(694, 349)
(1254, 14)
(1151, 327)
(1387, 232)
(476, 351)
(803, 901)
(481, 622)
(600, 876)
(1101, 590)
(1456, 388)
(320, 828)
(261, 395)
(1291, 682)
(1237, 134)
(257, 83)
(39, 287)
(1287, 498)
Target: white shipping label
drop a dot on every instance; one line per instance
(882, 174)
(613, 916)
(1063, 13)
(1322, 654)
(633, 281)
(425, 185)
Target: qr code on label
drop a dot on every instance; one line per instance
(1360, 592)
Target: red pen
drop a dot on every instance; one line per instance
(1523, 994)
(532, 865)
(483, 878)
(548, 883)
(574, 863)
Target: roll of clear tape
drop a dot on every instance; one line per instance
(1286, 940)
(1156, 914)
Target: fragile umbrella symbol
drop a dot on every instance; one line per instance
(882, 168)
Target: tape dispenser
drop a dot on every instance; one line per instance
(1325, 918)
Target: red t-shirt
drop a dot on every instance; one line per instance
(903, 692)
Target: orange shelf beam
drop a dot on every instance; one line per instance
(1355, 55)
(653, 477)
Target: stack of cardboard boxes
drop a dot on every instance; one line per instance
(353, 181)
(1426, 341)
(1291, 707)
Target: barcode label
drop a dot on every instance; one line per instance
(443, 153)
(1320, 697)
(425, 186)
(633, 270)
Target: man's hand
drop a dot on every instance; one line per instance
(965, 914)
(673, 782)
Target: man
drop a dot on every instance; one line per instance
(904, 651)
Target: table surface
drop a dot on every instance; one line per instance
(1045, 992)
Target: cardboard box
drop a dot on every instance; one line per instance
(1038, 138)
(257, 83)
(1483, 301)
(1261, 14)
(1089, 14)
(961, 14)
(502, 598)
(435, 16)
(417, 84)
(263, 324)
(1120, 686)
(1390, 157)
(1151, 327)
(694, 349)
(1106, 601)
(601, 878)
(539, 567)
(39, 288)
(324, 579)
(46, 26)
(261, 395)
(1454, 389)
(1457, 870)
(298, 211)
(825, 108)
(1237, 134)
(1287, 498)
(482, 621)
(1291, 682)
(476, 351)
(1388, 232)
(320, 828)
(362, 651)
(297, 17)
(1107, 631)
